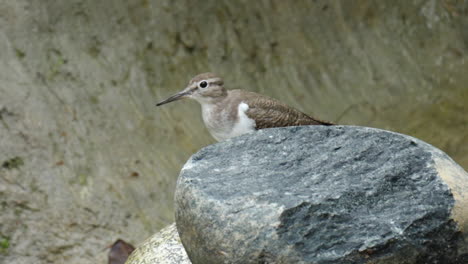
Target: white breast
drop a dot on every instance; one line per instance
(221, 128)
(244, 124)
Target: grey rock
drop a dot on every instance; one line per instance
(162, 248)
(323, 195)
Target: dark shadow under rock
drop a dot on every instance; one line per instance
(119, 252)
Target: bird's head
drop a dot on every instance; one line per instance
(204, 88)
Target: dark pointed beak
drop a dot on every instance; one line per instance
(175, 97)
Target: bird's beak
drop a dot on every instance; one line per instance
(176, 96)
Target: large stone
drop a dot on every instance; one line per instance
(323, 195)
(162, 248)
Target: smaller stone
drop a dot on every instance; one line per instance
(162, 248)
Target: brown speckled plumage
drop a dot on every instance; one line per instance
(225, 119)
(268, 112)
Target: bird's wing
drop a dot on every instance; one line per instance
(268, 112)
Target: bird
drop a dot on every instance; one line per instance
(231, 113)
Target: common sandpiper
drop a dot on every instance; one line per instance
(231, 113)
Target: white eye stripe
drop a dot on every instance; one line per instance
(211, 80)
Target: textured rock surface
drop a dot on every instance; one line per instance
(323, 195)
(162, 248)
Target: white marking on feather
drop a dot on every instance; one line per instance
(244, 123)
(222, 128)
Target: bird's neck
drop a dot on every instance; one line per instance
(211, 100)
(217, 117)
(211, 107)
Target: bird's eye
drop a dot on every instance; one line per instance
(203, 84)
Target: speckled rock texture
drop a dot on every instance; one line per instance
(162, 248)
(317, 194)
